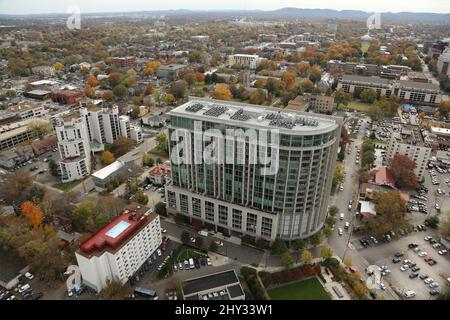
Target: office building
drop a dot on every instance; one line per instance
(408, 140)
(235, 197)
(28, 110)
(443, 62)
(350, 83)
(123, 62)
(419, 92)
(19, 132)
(244, 60)
(171, 72)
(120, 248)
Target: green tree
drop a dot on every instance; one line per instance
(120, 91)
(368, 95)
(162, 140)
(185, 237)
(316, 239)
(299, 244)
(114, 290)
(432, 222)
(120, 146)
(390, 209)
(333, 210)
(342, 98)
(287, 260)
(141, 197)
(160, 208)
(53, 167)
(279, 247)
(326, 252)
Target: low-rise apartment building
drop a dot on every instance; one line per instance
(244, 60)
(418, 92)
(350, 83)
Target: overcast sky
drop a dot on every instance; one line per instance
(60, 6)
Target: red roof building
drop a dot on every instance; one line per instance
(160, 173)
(383, 177)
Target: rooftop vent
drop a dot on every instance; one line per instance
(240, 115)
(194, 107)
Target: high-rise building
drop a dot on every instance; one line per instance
(74, 148)
(237, 196)
(89, 131)
(120, 248)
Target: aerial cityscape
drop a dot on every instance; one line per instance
(241, 152)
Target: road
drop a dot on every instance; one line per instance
(342, 245)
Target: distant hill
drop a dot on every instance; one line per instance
(292, 13)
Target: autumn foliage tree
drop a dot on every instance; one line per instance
(222, 92)
(32, 213)
(107, 157)
(402, 171)
(91, 81)
(390, 209)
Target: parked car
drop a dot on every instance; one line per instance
(409, 294)
(29, 276)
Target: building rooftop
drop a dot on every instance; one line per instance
(441, 131)
(172, 66)
(408, 84)
(248, 115)
(116, 233)
(209, 283)
(363, 79)
(409, 134)
(108, 170)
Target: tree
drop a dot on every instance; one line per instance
(33, 214)
(390, 209)
(114, 290)
(402, 171)
(307, 257)
(185, 237)
(121, 145)
(316, 239)
(83, 216)
(107, 157)
(14, 186)
(279, 247)
(160, 208)
(91, 81)
(307, 85)
(287, 260)
(444, 226)
(213, 246)
(141, 197)
(432, 222)
(444, 108)
(120, 91)
(199, 242)
(360, 290)
(327, 231)
(326, 252)
(348, 262)
(333, 210)
(342, 98)
(89, 91)
(169, 99)
(163, 143)
(299, 244)
(40, 128)
(222, 92)
(147, 160)
(58, 66)
(200, 77)
(368, 95)
(190, 78)
(338, 177)
(178, 89)
(53, 167)
(315, 73)
(107, 95)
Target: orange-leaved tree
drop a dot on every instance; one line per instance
(33, 214)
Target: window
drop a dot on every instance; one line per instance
(196, 207)
(237, 219)
(184, 204)
(266, 227)
(209, 211)
(172, 200)
(223, 215)
(251, 222)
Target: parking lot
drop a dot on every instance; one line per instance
(382, 254)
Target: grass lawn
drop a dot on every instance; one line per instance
(186, 253)
(66, 186)
(309, 289)
(358, 106)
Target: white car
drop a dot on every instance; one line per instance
(423, 254)
(428, 280)
(208, 261)
(436, 245)
(409, 294)
(416, 249)
(70, 293)
(219, 243)
(29, 276)
(381, 284)
(442, 252)
(342, 216)
(163, 230)
(158, 252)
(404, 267)
(192, 239)
(433, 285)
(340, 232)
(175, 268)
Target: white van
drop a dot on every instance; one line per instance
(191, 263)
(341, 216)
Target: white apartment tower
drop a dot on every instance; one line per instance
(74, 149)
